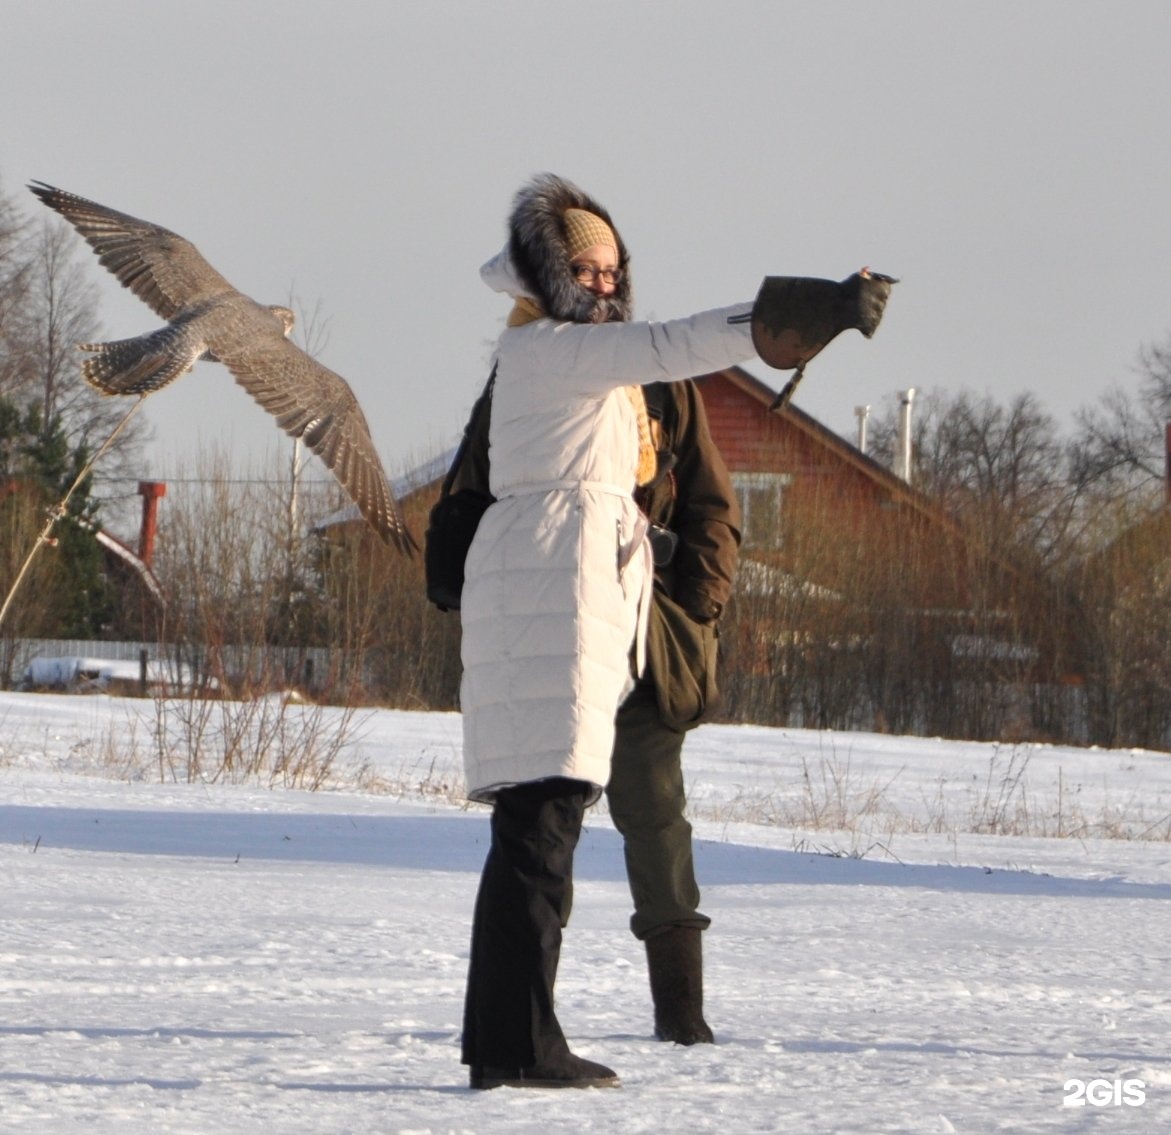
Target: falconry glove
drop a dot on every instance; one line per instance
(794, 317)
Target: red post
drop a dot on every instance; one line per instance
(150, 491)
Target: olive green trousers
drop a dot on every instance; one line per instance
(647, 802)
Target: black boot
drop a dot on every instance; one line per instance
(675, 960)
(564, 1071)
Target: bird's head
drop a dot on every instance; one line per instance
(285, 316)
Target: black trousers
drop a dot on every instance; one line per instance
(647, 802)
(525, 896)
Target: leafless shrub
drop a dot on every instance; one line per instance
(274, 739)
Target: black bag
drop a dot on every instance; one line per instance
(683, 659)
(456, 515)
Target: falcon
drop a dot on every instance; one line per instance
(207, 318)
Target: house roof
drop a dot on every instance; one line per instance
(120, 551)
(846, 451)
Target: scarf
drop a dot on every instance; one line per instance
(526, 310)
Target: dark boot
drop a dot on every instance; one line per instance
(564, 1071)
(675, 960)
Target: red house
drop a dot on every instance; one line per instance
(859, 601)
(786, 456)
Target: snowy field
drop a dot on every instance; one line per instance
(908, 936)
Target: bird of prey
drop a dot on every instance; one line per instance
(207, 318)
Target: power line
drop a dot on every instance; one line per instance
(281, 481)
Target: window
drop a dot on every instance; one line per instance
(761, 496)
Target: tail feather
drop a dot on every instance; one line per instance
(136, 366)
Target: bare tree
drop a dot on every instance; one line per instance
(1001, 470)
(1119, 447)
(61, 306)
(14, 272)
(62, 313)
(48, 305)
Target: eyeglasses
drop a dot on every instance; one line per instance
(587, 274)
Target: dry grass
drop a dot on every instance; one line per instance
(279, 741)
(423, 778)
(834, 796)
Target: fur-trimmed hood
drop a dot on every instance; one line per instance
(535, 262)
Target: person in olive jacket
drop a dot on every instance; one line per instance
(692, 504)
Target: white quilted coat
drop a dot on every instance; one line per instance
(559, 567)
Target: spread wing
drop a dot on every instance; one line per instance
(169, 274)
(164, 270)
(313, 403)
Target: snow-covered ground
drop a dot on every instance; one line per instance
(229, 957)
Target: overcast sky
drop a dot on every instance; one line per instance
(1009, 161)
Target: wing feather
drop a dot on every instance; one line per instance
(313, 403)
(166, 271)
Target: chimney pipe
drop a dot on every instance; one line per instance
(150, 491)
(903, 457)
(862, 413)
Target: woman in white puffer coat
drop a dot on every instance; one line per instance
(557, 584)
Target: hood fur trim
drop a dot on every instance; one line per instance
(539, 252)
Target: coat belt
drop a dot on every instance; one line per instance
(526, 488)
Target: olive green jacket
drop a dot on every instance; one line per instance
(692, 495)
